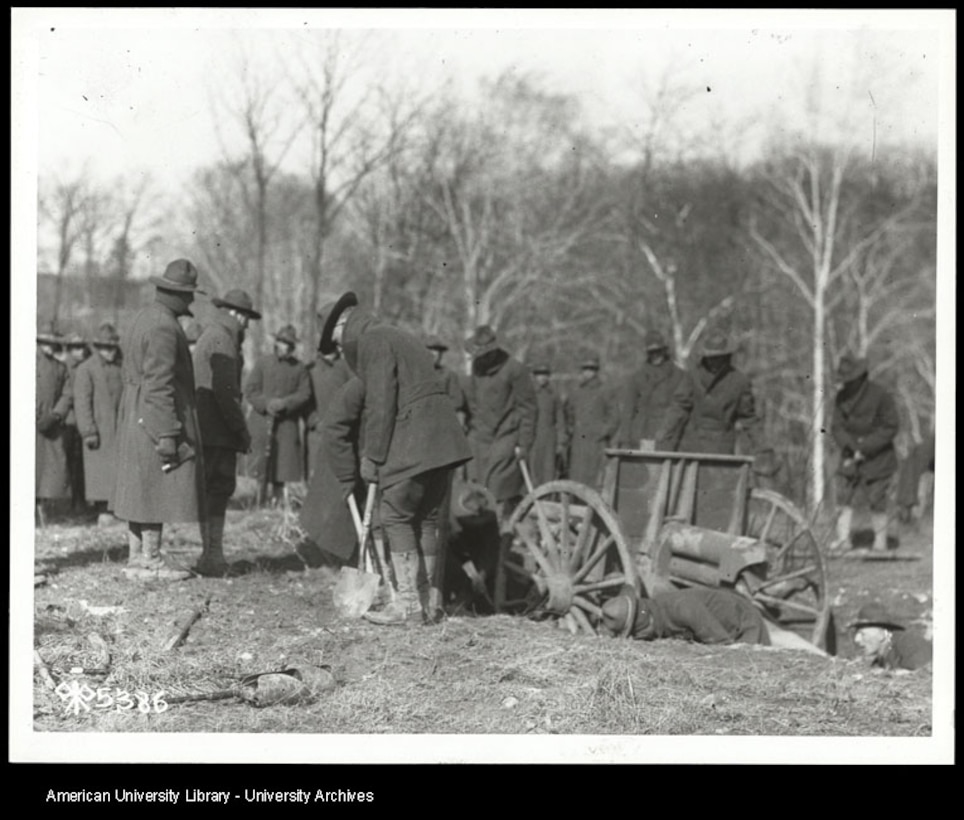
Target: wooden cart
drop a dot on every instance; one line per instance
(662, 520)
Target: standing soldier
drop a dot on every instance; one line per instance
(218, 365)
(593, 421)
(645, 398)
(501, 419)
(550, 445)
(53, 402)
(708, 403)
(278, 389)
(410, 441)
(326, 374)
(453, 385)
(919, 460)
(865, 423)
(97, 394)
(76, 353)
(159, 477)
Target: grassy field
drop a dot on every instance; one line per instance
(488, 676)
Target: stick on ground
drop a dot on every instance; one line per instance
(176, 639)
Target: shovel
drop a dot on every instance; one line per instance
(357, 587)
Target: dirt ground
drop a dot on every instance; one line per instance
(494, 675)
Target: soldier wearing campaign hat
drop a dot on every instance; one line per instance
(75, 352)
(278, 390)
(864, 426)
(887, 643)
(159, 476)
(646, 395)
(592, 421)
(453, 385)
(53, 402)
(548, 454)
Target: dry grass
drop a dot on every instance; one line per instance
(493, 675)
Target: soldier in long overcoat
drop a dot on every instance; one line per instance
(97, 395)
(646, 396)
(453, 384)
(865, 423)
(551, 438)
(411, 441)
(75, 353)
(160, 470)
(218, 364)
(501, 418)
(327, 375)
(708, 403)
(53, 402)
(278, 389)
(593, 419)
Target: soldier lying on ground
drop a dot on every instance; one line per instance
(888, 644)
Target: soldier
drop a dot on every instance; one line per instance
(865, 423)
(919, 460)
(453, 385)
(645, 398)
(75, 353)
(593, 420)
(159, 475)
(327, 374)
(97, 394)
(53, 402)
(888, 644)
(551, 441)
(278, 389)
(501, 401)
(217, 377)
(410, 442)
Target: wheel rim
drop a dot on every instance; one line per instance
(793, 589)
(563, 555)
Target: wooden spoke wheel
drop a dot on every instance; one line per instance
(563, 553)
(792, 589)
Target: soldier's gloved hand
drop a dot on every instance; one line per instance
(167, 450)
(368, 470)
(48, 422)
(275, 407)
(92, 442)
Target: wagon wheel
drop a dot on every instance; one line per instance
(793, 588)
(563, 553)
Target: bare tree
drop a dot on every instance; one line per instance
(60, 208)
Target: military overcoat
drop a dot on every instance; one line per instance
(51, 479)
(866, 422)
(158, 400)
(593, 418)
(501, 416)
(285, 378)
(550, 433)
(410, 426)
(326, 379)
(644, 401)
(97, 395)
(704, 411)
(217, 375)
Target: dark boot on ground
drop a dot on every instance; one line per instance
(212, 563)
(152, 565)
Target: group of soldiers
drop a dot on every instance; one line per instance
(166, 420)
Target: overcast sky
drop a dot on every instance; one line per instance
(126, 90)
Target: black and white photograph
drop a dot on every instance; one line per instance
(515, 386)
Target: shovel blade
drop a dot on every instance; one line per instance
(354, 592)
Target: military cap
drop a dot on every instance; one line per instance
(238, 300)
(655, 340)
(851, 367)
(287, 334)
(481, 341)
(179, 275)
(717, 344)
(874, 614)
(106, 336)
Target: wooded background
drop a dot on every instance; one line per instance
(516, 212)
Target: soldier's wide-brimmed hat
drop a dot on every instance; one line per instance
(179, 275)
(481, 341)
(433, 342)
(75, 339)
(875, 614)
(239, 300)
(655, 340)
(717, 344)
(329, 316)
(48, 334)
(851, 367)
(590, 363)
(192, 330)
(541, 368)
(287, 334)
(619, 613)
(107, 336)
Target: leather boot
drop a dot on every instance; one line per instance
(405, 608)
(845, 518)
(212, 561)
(879, 522)
(431, 596)
(153, 566)
(135, 555)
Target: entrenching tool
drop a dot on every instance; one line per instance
(357, 587)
